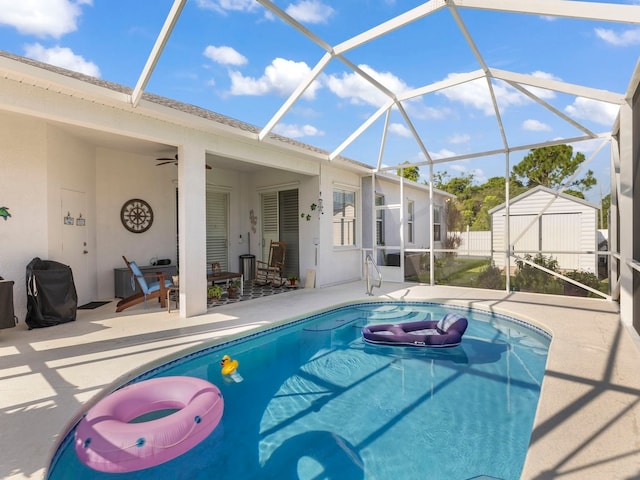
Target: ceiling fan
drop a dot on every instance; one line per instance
(174, 160)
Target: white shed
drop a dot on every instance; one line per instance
(567, 224)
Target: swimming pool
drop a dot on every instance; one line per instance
(317, 402)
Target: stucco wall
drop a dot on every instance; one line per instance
(121, 176)
(71, 167)
(23, 189)
(342, 264)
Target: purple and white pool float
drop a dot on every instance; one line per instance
(446, 332)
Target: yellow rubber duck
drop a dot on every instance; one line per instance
(228, 365)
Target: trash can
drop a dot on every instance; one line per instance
(51, 294)
(248, 266)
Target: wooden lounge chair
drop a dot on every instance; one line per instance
(155, 287)
(272, 271)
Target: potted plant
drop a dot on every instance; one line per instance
(293, 278)
(214, 292)
(232, 289)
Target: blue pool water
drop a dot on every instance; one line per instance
(317, 402)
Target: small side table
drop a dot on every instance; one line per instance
(173, 292)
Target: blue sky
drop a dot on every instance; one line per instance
(236, 58)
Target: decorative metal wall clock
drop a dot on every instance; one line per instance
(136, 215)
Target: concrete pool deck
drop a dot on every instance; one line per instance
(587, 425)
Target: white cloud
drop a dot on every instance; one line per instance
(42, 18)
(281, 77)
(459, 138)
(541, 92)
(535, 126)
(476, 94)
(442, 153)
(224, 55)
(400, 130)
(297, 131)
(589, 146)
(353, 87)
(224, 6)
(478, 174)
(598, 112)
(623, 39)
(310, 11)
(422, 112)
(62, 57)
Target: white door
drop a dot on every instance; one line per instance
(73, 219)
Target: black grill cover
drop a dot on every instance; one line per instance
(7, 314)
(51, 294)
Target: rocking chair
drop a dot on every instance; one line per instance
(272, 271)
(147, 289)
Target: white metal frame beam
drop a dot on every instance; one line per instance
(558, 8)
(156, 52)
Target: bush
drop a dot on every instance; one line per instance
(587, 278)
(491, 277)
(531, 279)
(452, 242)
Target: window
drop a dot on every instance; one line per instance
(437, 222)
(344, 218)
(410, 216)
(379, 220)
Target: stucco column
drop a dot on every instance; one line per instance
(192, 230)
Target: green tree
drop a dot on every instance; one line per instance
(460, 212)
(603, 220)
(473, 202)
(410, 173)
(483, 219)
(551, 167)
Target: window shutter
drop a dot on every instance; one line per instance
(217, 225)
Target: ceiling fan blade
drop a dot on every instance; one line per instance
(166, 161)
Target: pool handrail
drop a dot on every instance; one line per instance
(367, 263)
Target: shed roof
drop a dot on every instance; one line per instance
(551, 192)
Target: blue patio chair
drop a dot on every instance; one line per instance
(155, 287)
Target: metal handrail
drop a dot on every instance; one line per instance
(370, 286)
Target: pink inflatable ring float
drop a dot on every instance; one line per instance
(107, 440)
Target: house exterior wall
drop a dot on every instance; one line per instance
(121, 176)
(71, 170)
(387, 259)
(566, 225)
(23, 189)
(44, 155)
(342, 263)
(420, 197)
(308, 192)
